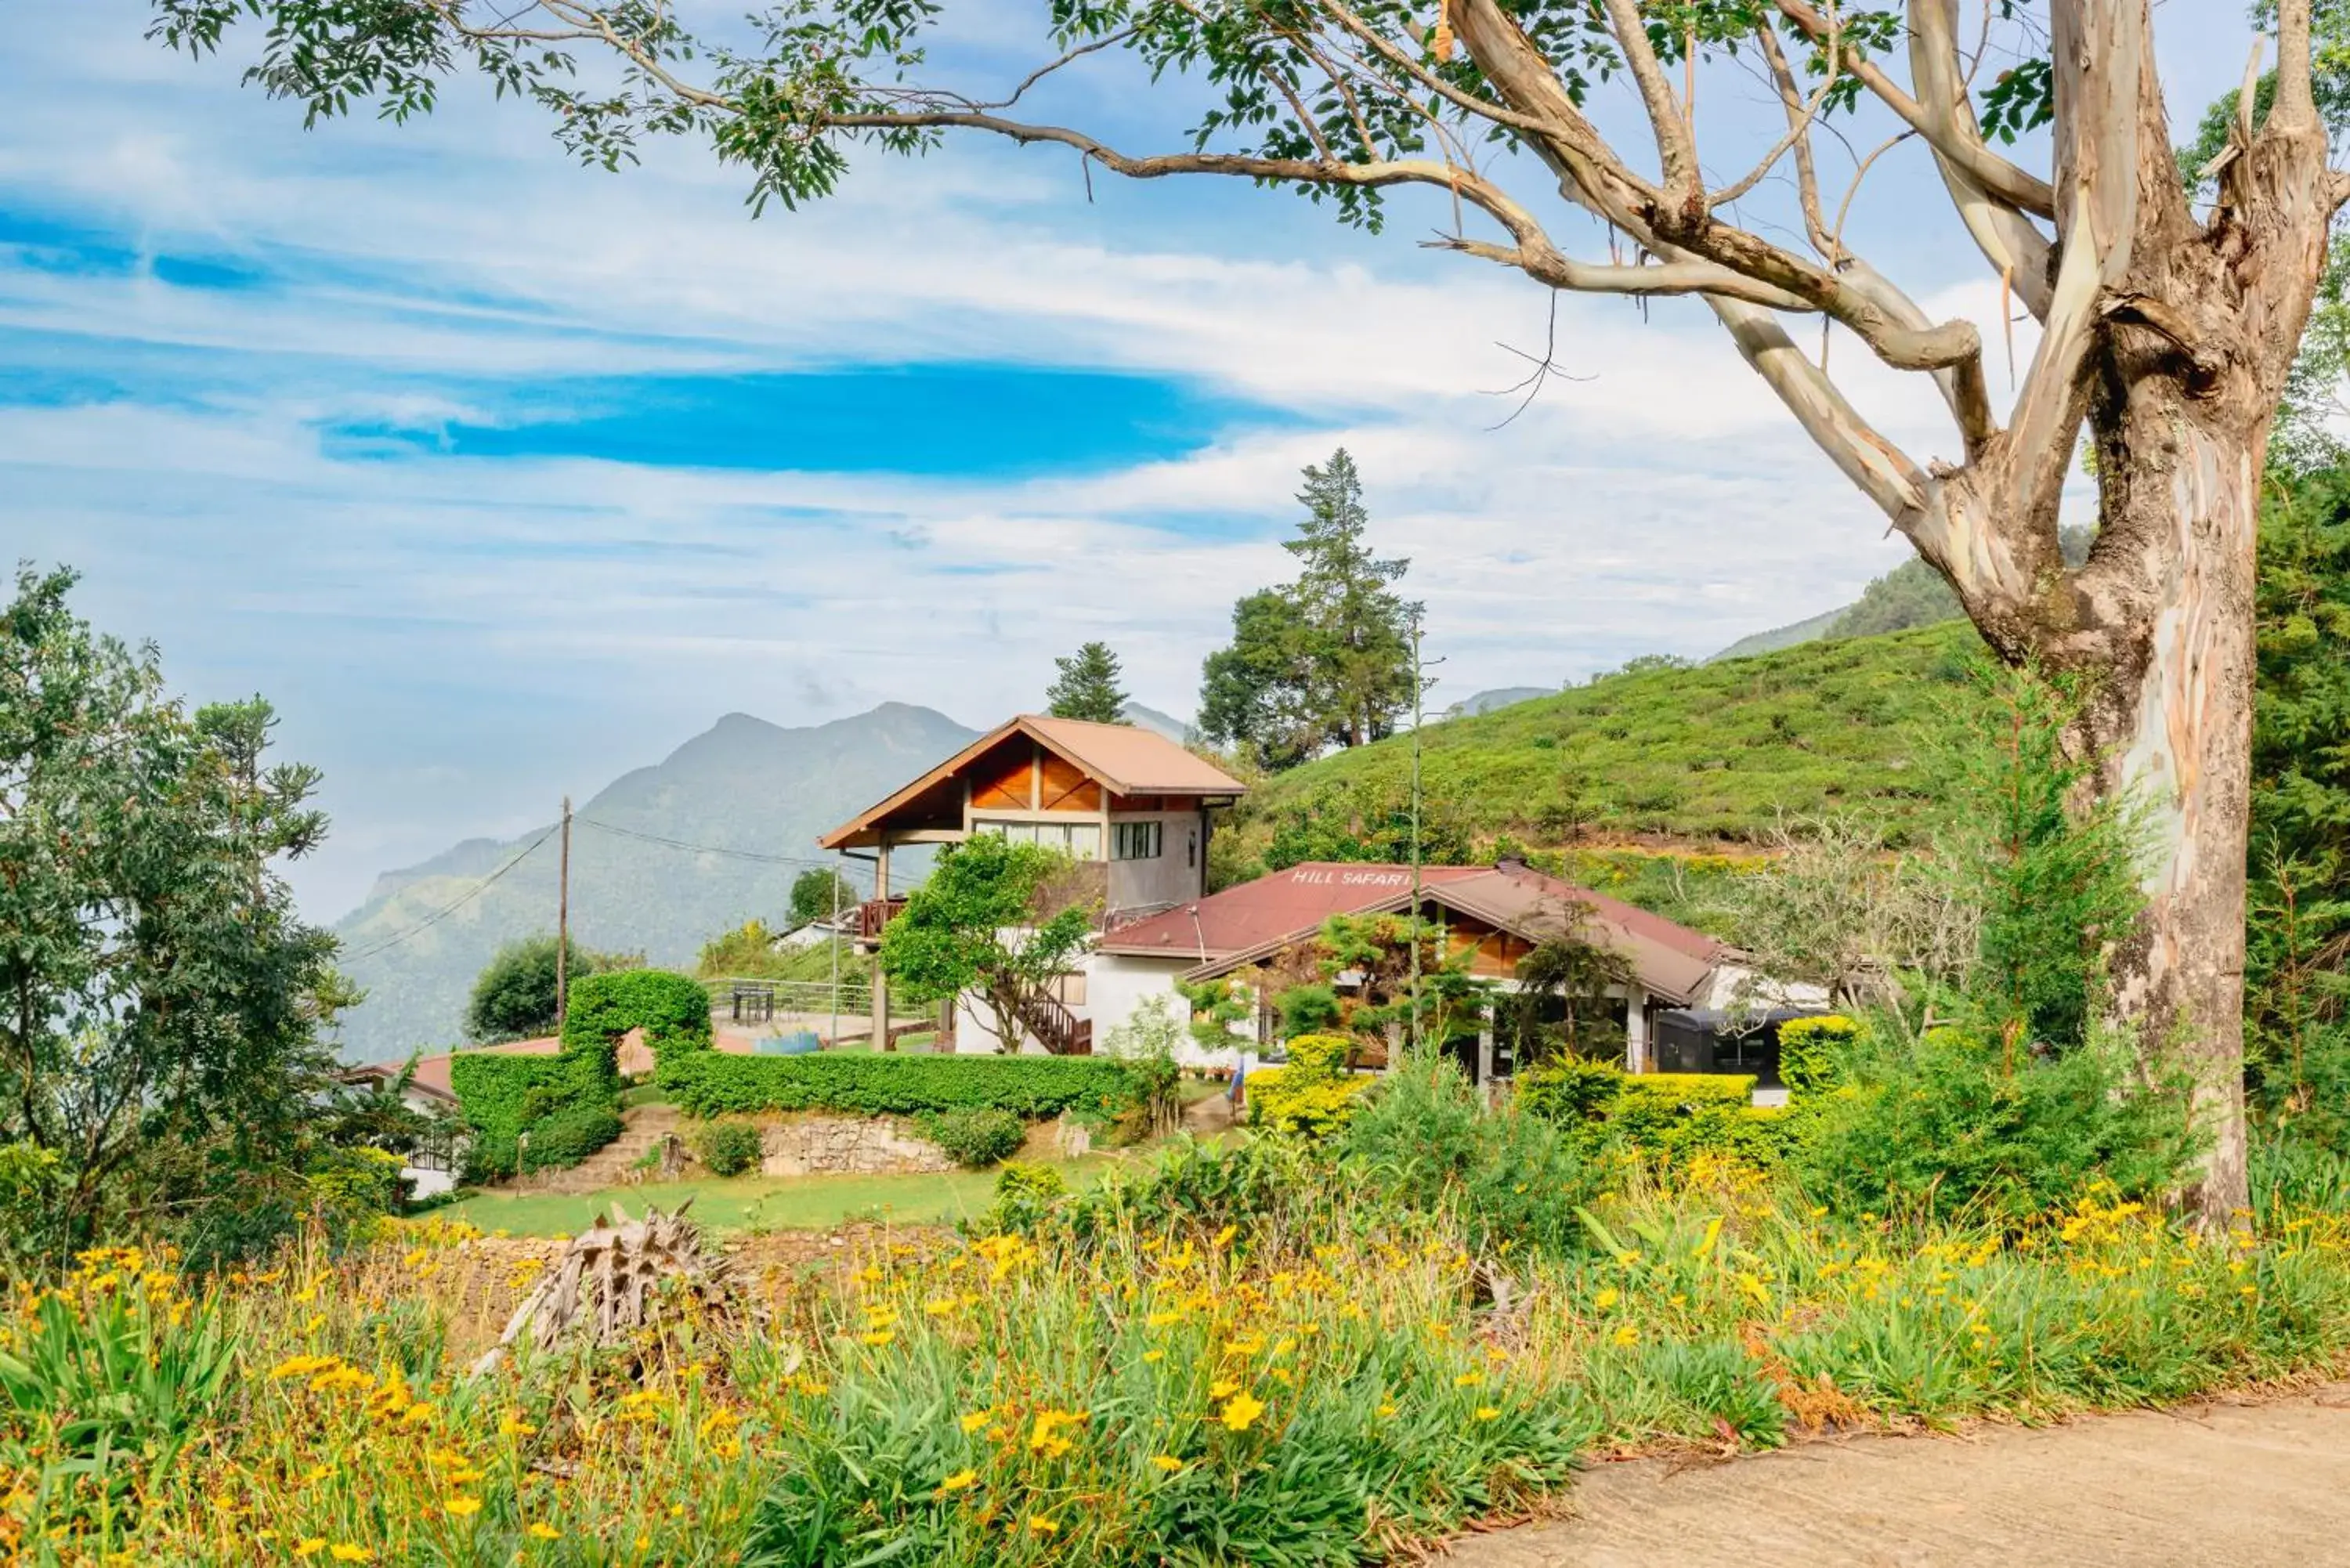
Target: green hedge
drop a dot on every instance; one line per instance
(495, 1089)
(562, 1140)
(709, 1084)
(672, 1009)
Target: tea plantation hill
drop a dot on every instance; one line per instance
(1693, 758)
(743, 785)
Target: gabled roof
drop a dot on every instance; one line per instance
(1278, 906)
(1257, 919)
(1122, 758)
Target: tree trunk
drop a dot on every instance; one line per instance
(2172, 720)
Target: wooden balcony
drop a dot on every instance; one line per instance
(874, 913)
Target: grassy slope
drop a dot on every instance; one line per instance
(756, 1202)
(1707, 755)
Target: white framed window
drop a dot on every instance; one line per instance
(1135, 840)
(1081, 840)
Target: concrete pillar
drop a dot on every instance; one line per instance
(1636, 1030)
(880, 987)
(1485, 1058)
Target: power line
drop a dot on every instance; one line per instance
(707, 848)
(475, 891)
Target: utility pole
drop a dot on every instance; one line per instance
(832, 940)
(563, 925)
(1418, 688)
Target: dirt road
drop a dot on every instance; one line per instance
(2255, 1485)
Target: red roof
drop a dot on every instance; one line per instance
(1278, 905)
(1242, 923)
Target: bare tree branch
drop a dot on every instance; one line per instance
(1808, 179)
(1676, 148)
(1996, 175)
(2005, 237)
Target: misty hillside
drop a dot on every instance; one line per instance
(743, 784)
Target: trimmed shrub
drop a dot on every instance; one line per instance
(1314, 1094)
(976, 1139)
(1568, 1089)
(672, 1009)
(503, 1095)
(569, 1136)
(1811, 1052)
(729, 1147)
(710, 1084)
(489, 1157)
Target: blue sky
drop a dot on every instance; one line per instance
(500, 476)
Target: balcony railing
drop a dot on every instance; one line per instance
(874, 913)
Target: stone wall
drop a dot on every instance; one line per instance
(818, 1145)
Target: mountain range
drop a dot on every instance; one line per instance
(662, 859)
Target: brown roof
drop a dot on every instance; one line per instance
(1123, 758)
(1285, 904)
(1264, 916)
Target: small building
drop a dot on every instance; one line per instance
(1128, 803)
(1497, 913)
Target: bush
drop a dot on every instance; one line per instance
(729, 1147)
(709, 1084)
(1313, 1095)
(976, 1139)
(355, 1185)
(488, 1158)
(1426, 1141)
(1568, 1089)
(1025, 1192)
(1811, 1052)
(1951, 1126)
(569, 1136)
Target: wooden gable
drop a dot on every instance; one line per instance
(1003, 778)
(1065, 787)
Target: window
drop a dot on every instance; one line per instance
(1081, 840)
(1191, 850)
(1135, 840)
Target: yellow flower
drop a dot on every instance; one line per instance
(975, 1421)
(1486, 1412)
(1627, 1334)
(1222, 1388)
(1387, 1411)
(542, 1530)
(876, 1337)
(940, 1308)
(1241, 1412)
(1167, 1462)
(1467, 1379)
(1607, 1298)
(1039, 1525)
(463, 1507)
(310, 1548)
(344, 1551)
(1154, 1356)
(416, 1414)
(961, 1481)
(1161, 1319)
(1224, 1237)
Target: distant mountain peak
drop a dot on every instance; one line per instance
(755, 792)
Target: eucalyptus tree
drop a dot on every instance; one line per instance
(2168, 326)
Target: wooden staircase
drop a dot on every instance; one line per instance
(1058, 1030)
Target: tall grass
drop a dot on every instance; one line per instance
(1333, 1386)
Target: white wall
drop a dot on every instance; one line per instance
(1167, 879)
(1115, 983)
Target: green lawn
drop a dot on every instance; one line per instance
(762, 1202)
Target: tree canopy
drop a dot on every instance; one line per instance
(514, 996)
(818, 893)
(982, 923)
(1086, 686)
(160, 1036)
(1324, 662)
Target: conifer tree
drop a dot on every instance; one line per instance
(1086, 686)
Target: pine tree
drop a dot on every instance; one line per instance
(1088, 686)
(1327, 660)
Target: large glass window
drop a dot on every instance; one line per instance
(1080, 840)
(1136, 840)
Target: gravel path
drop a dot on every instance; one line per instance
(2236, 1484)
